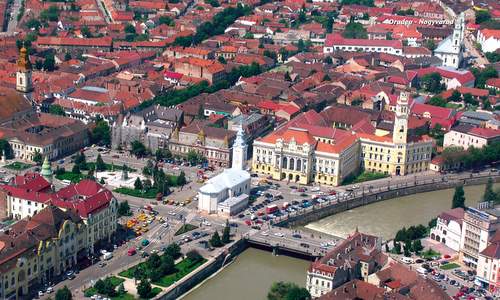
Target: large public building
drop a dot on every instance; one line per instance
(310, 149)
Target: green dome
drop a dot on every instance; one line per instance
(46, 169)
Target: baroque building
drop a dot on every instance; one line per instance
(310, 149)
(450, 50)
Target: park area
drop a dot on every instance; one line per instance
(162, 270)
(18, 166)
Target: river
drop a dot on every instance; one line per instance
(250, 276)
(253, 272)
(385, 218)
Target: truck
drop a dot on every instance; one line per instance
(107, 256)
(271, 209)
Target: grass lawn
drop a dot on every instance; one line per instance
(364, 176)
(18, 166)
(185, 228)
(184, 268)
(450, 266)
(430, 253)
(150, 194)
(74, 178)
(115, 281)
(109, 167)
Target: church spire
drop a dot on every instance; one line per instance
(47, 169)
(23, 76)
(239, 150)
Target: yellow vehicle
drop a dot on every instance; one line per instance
(144, 225)
(188, 200)
(145, 229)
(138, 233)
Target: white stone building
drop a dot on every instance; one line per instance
(231, 188)
(450, 50)
(489, 39)
(466, 135)
(448, 229)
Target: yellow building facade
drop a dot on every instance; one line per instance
(306, 152)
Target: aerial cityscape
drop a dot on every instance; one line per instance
(249, 150)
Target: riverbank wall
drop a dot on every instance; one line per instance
(209, 268)
(328, 209)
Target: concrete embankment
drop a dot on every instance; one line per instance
(204, 271)
(328, 209)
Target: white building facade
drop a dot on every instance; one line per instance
(450, 50)
(448, 230)
(489, 39)
(231, 188)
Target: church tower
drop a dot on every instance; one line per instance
(458, 33)
(400, 131)
(23, 76)
(46, 170)
(239, 150)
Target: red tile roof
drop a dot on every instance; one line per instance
(338, 40)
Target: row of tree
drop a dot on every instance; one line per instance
(472, 157)
(217, 241)
(488, 196)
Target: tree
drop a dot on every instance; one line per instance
(51, 14)
(173, 250)
(458, 197)
(354, 30)
(397, 248)
(328, 60)
(194, 256)
(226, 233)
(64, 294)
(138, 184)
(222, 60)
(148, 168)
(407, 248)
(49, 64)
(86, 32)
(482, 16)
(6, 148)
(489, 194)
(138, 149)
(144, 288)
(67, 56)
(81, 160)
(430, 44)
(99, 164)
(153, 261)
(438, 101)
(455, 96)
(101, 134)
(432, 82)
(181, 179)
(287, 291)
(56, 109)
(194, 157)
(163, 154)
(387, 248)
(167, 265)
(33, 23)
(417, 246)
(166, 20)
(37, 158)
(215, 240)
(121, 289)
(468, 99)
(76, 169)
(124, 209)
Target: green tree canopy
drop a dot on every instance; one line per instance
(354, 30)
(287, 291)
(432, 82)
(489, 195)
(64, 294)
(458, 197)
(144, 289)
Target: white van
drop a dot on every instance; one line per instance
(422, 271)
(407, 260)
(107, 256)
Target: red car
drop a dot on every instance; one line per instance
(259, 222)
(260, 213)
(332, 192)
(248, 222)
(131, 252)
